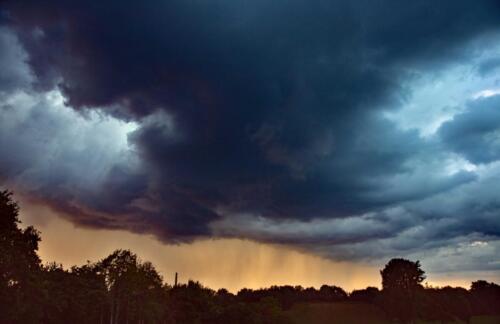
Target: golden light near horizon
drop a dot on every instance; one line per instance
(217, 263)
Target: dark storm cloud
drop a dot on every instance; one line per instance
(193, 53)
(475, 133)
(267, 109)
(489, 66)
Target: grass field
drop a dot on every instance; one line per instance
(341, 313)
(473, 320)
(356, 313)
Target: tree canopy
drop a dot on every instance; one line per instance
(121, 288)
(19, 263)
(402, 275)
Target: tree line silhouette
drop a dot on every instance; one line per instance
(121, 288)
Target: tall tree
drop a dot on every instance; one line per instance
(75, 296)
(135, 288)
(402, 275)
(19, 265)
(401, 283)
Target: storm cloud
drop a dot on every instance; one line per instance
(294, 122)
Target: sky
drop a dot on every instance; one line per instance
(246, 143)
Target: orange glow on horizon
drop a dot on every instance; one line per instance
(217, 263)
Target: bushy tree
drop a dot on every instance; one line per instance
(485, 297)
(446, 304)
(20, 293)
(402, 275)
(401, 287)
(135, 289)
(118, 289)
(367, 295)
(192, 303)
(332, 294)
(123, 289)
(77, 295)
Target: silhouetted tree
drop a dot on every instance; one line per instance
(367, 295)
(332, 294)
(91, 292)
(20, 293)
(123, 289)
(401, 283)
(447, 304)
(402, 275)
(192, 303)
(78, 295)
(485, 298)
(135, 288)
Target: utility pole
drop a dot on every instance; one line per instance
(175, 282)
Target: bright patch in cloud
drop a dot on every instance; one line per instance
(435, 97)
(48, 138)
(486, 93)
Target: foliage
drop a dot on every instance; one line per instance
(401, 288)
(367, 295)
(402, 275)
(19, 265)
(123, 289)
(482, 291)
(135, 289)
(289, 295)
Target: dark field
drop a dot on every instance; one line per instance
(358, 313)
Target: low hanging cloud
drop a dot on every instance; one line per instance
(270, 121)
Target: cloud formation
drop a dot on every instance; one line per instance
(312, 124)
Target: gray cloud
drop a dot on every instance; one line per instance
(16, 72)
(255, 120)
(475, 133)
(489, 66)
